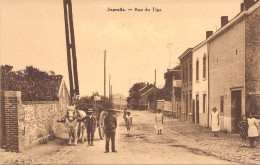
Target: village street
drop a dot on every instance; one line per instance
(143, 146)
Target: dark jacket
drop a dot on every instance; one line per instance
(91, 123)
(110, 124)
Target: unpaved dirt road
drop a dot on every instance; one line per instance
(142, 146)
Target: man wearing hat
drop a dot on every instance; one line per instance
(91, 126)
(110, 124)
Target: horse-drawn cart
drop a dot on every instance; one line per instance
(75, 123)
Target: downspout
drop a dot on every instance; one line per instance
(208, 81)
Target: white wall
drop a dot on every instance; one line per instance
(200, 87)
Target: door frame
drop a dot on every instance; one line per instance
(233, 114)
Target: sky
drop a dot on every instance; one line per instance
(32, 32)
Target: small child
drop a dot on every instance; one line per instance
(128, 122)
(243, 125)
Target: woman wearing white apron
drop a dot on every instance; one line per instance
(215, 121)
(159, 122)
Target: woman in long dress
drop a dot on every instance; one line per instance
(252, 129)
(159, 122)
(215, 121)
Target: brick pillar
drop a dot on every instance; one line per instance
(12, 102)
(2, 120)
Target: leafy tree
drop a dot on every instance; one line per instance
(35, 85)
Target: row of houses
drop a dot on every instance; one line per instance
(223, 71)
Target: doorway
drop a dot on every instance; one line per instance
(197, 109)
(236, 108)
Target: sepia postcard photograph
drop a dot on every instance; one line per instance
(130, 82)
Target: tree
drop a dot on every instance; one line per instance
(35, 85)
(134, 93)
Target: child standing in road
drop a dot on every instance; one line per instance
(128, 122)
(124, 115)
(243, 125)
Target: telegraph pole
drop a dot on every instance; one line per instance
(109, 88)
(112, 98)
(155, 102)
(105, 75)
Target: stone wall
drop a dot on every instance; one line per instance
(29, 123)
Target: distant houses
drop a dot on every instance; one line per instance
(119, 101)
(141, 96)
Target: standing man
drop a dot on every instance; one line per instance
(91, 122)
(110, 124)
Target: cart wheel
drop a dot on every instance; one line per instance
(102, 116)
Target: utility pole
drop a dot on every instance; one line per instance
(112, 97)
(105, 75)
(109, 88)
(71, 50)
(155, 102)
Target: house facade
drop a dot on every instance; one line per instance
(200, 81)
(175, 73)
(234, 64)
(119, 101)
(187, 109)
(144, 97)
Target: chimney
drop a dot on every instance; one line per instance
(208, 34)
(248, 4)
(242, 7)
(224, 20)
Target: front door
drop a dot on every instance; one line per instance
(235, 109)
(197, 109)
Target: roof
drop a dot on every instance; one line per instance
(176, 68)
(231, 23)
(185, 53)
(147, 90)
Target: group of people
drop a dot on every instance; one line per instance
(110, 125)
(248, 127)
(129, 120)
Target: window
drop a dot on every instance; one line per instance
(197, 69)
(187, 74)
(183, 80)
(197, 104)
(204, 66)
(190, 72)
(222, 104)
(204, 103)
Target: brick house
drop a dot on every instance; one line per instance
(234, 64)
(186, 88)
